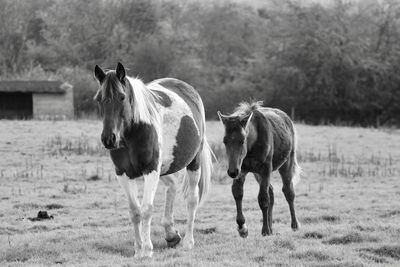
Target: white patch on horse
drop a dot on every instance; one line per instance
(171, 120)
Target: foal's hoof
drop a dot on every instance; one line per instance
(243, 232)
(173, 241)
(266, 231)
(295, 225)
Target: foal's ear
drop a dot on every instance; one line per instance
(120, 71)
(99, 74)
(222, 118)
(245, 121)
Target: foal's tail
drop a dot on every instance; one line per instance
(296, 170)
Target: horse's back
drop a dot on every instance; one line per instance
(188, 94)
(282, 128)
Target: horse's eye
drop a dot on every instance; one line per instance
(122, 97)
(241, 142)
(225, 141)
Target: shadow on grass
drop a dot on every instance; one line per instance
(24, 253)
(312, 255)
(313, 235)
(391, 251)
(353, 237)
(323, 218)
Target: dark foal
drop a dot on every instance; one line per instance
(261, 140)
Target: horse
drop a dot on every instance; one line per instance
(155, 131)
(261, 140)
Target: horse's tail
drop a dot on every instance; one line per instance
(205, 173)
(296, 169)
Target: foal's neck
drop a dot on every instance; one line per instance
(251, 135)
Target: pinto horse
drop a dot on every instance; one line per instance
(261, 140)
(154, 131)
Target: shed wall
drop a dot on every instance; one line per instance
(53, 106)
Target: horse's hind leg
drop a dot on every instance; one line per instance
(237, 192)
(192, 200)
(171, 235)
(287, 173)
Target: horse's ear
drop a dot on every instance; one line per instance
(120, 71)
(245, 121)
(99, 74)
(222, 118)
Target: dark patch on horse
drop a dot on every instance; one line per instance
(188, 94)
(187, 145)
(140, 153)
(163, 98)
(195, 164)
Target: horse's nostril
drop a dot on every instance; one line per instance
(113, 138)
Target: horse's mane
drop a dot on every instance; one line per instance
(245, 108)
(142, 100)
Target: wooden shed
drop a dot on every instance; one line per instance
(36, 99)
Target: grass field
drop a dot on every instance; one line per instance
(348, 203)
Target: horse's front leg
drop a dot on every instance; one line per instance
(150, 187)
(264, 199)
(237, 192)
(131, 192)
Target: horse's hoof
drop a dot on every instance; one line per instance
(266, 231)
(173, 241)
(295, 225)
(188, 244)
(243, 232)
(138, 254)
(146, 253)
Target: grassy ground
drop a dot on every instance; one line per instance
(347, 203)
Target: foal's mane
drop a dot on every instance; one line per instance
(245, 108)
(143, 101)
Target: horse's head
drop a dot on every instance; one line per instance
(235, 140)
(114, 103)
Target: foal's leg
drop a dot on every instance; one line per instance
(192, 200)
(271, 205)
(264, 201)
(171, 235)
(131, 192)
(237, 192)
(288, 190)
(150, 187)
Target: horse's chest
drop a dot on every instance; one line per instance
(140, 153)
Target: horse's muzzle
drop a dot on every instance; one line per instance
(109, 142)
(233, 173)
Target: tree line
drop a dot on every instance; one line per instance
(335, 63)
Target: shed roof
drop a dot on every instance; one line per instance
(55, 87)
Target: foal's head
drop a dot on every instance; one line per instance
(235, 140)
(112, 97)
